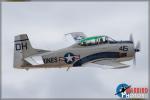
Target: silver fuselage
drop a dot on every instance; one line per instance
(79, 55)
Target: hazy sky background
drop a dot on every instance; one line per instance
(47, 22)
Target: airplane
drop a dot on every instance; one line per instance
(99, 50)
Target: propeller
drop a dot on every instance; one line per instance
(136, 48)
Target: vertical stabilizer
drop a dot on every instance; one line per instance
(22, 49)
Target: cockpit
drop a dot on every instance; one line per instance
(95, 40)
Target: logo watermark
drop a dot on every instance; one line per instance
(124, 90)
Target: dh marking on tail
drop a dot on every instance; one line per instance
(21, 46)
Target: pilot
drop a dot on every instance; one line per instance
(101, 41)
(84, 43)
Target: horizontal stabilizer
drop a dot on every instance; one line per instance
(34, 60)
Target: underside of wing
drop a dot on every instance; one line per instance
(77, 36)
(110, 64)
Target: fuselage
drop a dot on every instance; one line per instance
(77, 55)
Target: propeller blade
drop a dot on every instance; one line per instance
(134, 58)
(131, 37)
(138, 47)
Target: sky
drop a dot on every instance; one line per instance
(45, 23)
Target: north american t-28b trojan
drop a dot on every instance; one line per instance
(100, 50)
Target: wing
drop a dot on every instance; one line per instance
(77, 36)
(111, 64)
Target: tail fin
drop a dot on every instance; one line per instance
(22, 49)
